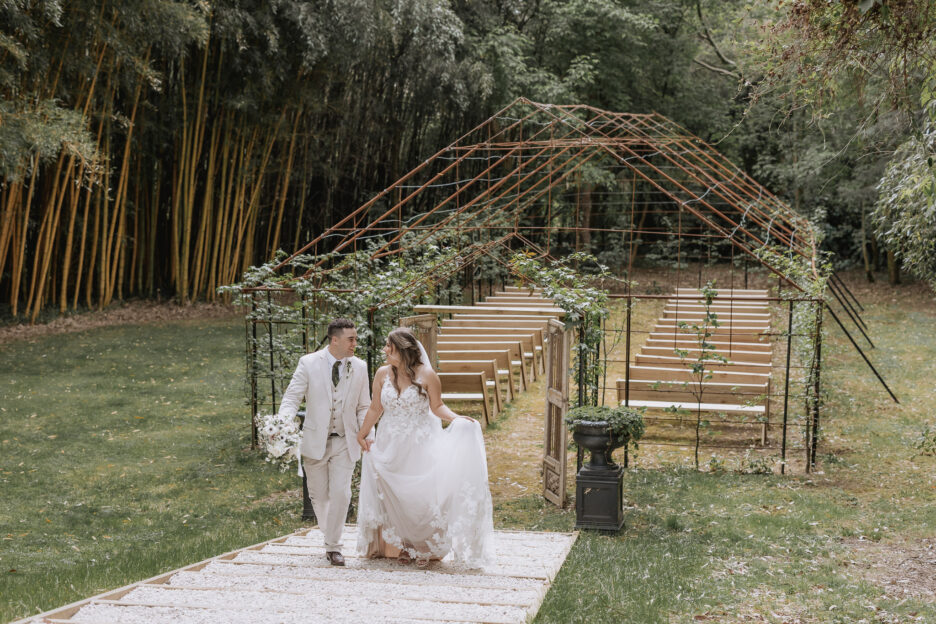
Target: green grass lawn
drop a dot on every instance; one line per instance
(123, 454)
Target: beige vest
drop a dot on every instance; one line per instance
(336, 424)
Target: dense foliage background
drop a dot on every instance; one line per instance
(160, 147)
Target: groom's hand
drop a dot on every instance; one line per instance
(364, 442)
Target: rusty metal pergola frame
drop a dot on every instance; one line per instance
(500, 178)
(515, 182)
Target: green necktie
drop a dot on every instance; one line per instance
(335, 375)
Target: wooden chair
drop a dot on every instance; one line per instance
(468, 387)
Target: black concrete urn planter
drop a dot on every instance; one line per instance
(599, 484)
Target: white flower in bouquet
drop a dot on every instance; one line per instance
(278, 437)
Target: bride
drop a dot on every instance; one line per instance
(424, 489)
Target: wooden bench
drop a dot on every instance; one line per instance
(510, 300)
(537, 327)
(482, 344)
(695, 316)
(536, 345)
(488, 367)
(527, 340)
(668, 340)
(682, 373)
(740, 306)
(671, 337)
(744, 304)
(760, 409)
(513, 290)
(694, 351)
(740, 334)
(712, 392)
(726, 293)
(533, 303)
(505, 366)
(741, 367)
(468, 387)
(533, 321)
(540, 311)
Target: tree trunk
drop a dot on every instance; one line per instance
(893, 269)
(864, 248)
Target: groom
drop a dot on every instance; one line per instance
(334, 385)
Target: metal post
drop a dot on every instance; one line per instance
(272, 366)
(305, 328)
(861, 353)
(627, 349)
(817, 397)
(371, 345)
(581, 365)
(845, 286)
(786, 388)
(846, 303)
(857, 321)
(252, 370)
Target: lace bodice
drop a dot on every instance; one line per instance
(406, 414)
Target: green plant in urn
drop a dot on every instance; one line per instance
(602, 429)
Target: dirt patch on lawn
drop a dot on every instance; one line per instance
(129, 313)
(903, 569)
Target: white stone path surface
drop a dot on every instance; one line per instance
(288, 581)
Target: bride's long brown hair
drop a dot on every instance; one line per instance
(406, 346)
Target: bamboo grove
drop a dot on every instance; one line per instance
(161, 149)
(158, 148)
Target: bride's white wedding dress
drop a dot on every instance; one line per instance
(424, 489)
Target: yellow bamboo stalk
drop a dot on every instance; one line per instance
(248, 223)
(202, 246)
(84, 236)
(201, 117)
(101, 269)
(95, 234)
(243, 155)
(302, 202)
(136, 263)
(7, 224)
(151, 241)
(20, 256)
(42, 254)
(178, 272)
(224, 201)
(120, 203)
(74, 197)
(284, 191)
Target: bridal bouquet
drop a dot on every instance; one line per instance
(279, 438)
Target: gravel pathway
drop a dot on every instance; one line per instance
(288, 580)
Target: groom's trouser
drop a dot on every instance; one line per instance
(329, 483)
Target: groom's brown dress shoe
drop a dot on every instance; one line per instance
(335, 558)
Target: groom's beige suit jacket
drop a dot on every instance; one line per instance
(312, 381)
